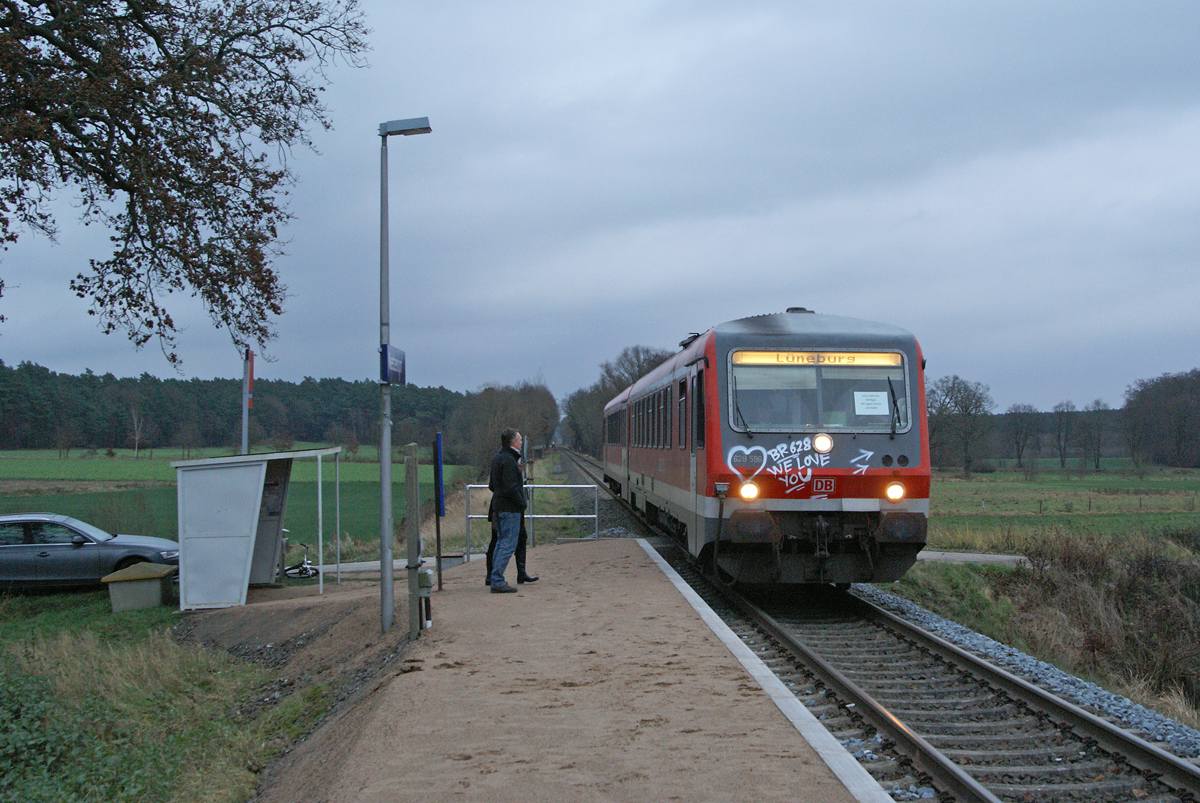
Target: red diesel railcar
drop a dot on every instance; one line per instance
(782, 449)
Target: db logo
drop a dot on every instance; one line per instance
(823, 486)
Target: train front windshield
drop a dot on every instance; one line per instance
(788, 391)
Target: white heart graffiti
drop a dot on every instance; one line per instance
(731, 459)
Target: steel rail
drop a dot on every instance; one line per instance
(1147, 758)
(945, 773)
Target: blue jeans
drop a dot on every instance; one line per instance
(508, 528)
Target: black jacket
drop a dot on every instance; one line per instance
(506, 482)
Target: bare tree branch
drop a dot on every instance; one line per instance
(172, 121)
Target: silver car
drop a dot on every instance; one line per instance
(46, 549)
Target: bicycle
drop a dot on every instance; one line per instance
(304, 568)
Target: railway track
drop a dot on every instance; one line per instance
(928, 719)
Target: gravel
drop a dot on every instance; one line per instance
(1173, 736)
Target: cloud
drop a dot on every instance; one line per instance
(1016, 184)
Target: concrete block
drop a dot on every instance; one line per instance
(142, 585)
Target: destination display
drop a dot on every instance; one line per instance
(861, 358)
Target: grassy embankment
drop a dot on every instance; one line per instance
(1113, 590)
(96, 706)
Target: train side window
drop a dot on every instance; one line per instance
(664, 406)
(658, 419)
(664, 401)
(698, 403)
(642, 423)
(681, 413)
(637, 423)
(650, 434)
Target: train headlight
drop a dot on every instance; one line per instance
(822, 443)
(749, 491)
(894, 492)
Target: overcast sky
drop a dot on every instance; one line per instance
(1017, 183)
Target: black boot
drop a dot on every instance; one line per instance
(519, 554)
(524, 576)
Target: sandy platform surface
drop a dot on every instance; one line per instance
(597, 683)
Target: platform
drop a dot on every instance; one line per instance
(600, 682)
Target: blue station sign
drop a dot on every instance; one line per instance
(391, 365)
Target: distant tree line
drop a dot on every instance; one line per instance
(1159, 424)
(40, 409)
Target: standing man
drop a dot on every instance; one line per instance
(508, 503)
(522, 539)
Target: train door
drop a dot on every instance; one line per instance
(626, 429)
(696, 441)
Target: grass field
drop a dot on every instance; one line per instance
(123, 494)
(127, 495)
(999, 512)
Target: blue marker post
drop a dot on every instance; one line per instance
(439, 492)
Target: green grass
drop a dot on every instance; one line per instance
(96, 706)
(999, 512)
(156, 466)
(139, 496)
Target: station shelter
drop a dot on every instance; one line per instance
(231, 523)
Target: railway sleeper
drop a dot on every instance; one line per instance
(1072, 772)
(1092, 791)
(1050, 752)
(937, 702)
(837, 651)
(992, 741)
(938, 717)
(1016, 725)
(918, 685)
(910, 668)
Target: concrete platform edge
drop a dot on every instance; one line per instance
(857, 780)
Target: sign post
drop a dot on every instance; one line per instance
(247, 398)
(439, 492)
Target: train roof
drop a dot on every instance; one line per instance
(801, 321)
(825, 331)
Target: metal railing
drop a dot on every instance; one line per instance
(533, 517)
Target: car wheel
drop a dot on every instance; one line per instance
(125, 563)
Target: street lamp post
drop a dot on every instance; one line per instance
(416, 125)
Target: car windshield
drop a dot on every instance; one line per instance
(93, 532)
(774, 391)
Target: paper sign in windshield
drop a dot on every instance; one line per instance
(870, 403)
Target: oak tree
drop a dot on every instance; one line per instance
(960, 413)
(170, 123)
(1064, 419)
(1022, 422)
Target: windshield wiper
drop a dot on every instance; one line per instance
(895, 417)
